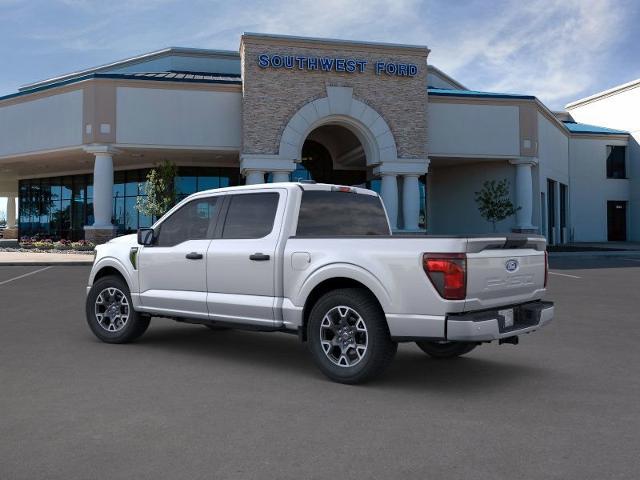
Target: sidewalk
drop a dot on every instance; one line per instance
(37, 259)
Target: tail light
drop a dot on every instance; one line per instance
(448, 273)
(546, 268)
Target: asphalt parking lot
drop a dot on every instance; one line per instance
(185, 402)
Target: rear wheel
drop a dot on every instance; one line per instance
(446, 349)
(110, 313)
(348, 336)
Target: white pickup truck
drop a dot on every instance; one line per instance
(319, 261)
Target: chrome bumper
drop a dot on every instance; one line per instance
(489, 325)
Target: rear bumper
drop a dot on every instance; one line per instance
(489, 325)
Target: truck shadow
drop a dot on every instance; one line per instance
(275, 353)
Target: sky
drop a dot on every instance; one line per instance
(558, 50)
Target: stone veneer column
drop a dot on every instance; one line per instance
(524, 193)
(102, 228)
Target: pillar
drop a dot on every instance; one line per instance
(102, 228)
(524, 194)
(389, 187)
(11, 212)
(254, 177)
(411, 201)
(280, 176)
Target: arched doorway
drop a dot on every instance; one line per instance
(333, 154)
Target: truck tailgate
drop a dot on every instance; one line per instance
(500, 276)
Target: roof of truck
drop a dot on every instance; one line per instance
(288, 185)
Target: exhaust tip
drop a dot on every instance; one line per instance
(512, 340)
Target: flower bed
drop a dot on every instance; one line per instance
(39, 245)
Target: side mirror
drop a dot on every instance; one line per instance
(146, 236)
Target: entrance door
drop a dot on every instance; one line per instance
(617, 221)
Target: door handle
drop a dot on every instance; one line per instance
(194, 256)
(259, 257)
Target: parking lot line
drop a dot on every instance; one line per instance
(564, 275)
(24, 275)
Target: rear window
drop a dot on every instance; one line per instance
(339, 214)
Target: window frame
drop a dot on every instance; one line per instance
(211, 229)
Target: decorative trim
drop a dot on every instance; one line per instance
(533, 161)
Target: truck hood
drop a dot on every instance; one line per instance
(131, 239)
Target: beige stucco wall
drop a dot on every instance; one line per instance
(272, 96)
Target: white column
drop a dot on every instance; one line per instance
(389, 194)
(253, 177)
(280, 176)
(411, 201)
(11, 212)
(524, 192)
(103, 190)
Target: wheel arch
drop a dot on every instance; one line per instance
(337, 278)
(111, 266)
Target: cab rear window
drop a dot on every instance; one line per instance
(340, 214)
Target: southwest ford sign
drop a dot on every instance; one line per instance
(334, 64)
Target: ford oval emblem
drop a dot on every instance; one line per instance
(511, 265)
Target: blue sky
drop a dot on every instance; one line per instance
(557, 50)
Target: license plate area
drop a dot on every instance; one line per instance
(507, 318)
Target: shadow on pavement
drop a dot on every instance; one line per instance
(281, 352)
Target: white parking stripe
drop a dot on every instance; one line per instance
(25, 275)
(564, 275)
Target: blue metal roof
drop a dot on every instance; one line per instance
(575, 127)
(187, 77)
(445, 92)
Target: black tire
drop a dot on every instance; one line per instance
(379, 349)
(134, 326)
(446, 349)
(216, 328)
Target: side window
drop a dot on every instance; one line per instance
(250, 215)
(193, 221)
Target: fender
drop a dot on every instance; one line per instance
(114, 262)
(344, 270)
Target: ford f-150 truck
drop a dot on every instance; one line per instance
(319, 261)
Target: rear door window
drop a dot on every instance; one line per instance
(250, 215)
(340, 214)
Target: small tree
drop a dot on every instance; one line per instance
(159, 190)
(494, 203)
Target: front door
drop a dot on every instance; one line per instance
(617, 221)
(242, 259)
(173, 272)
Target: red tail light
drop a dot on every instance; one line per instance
(448, 273)
(546, 268)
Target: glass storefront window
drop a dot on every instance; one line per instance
(59, 207)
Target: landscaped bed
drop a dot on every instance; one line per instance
(47, 245)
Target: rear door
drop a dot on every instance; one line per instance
(241, 260)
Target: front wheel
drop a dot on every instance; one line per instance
(110, 313)
(348, 336)
(446, 349)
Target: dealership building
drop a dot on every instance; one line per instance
(75, 150)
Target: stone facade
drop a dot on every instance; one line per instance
(272, 96)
